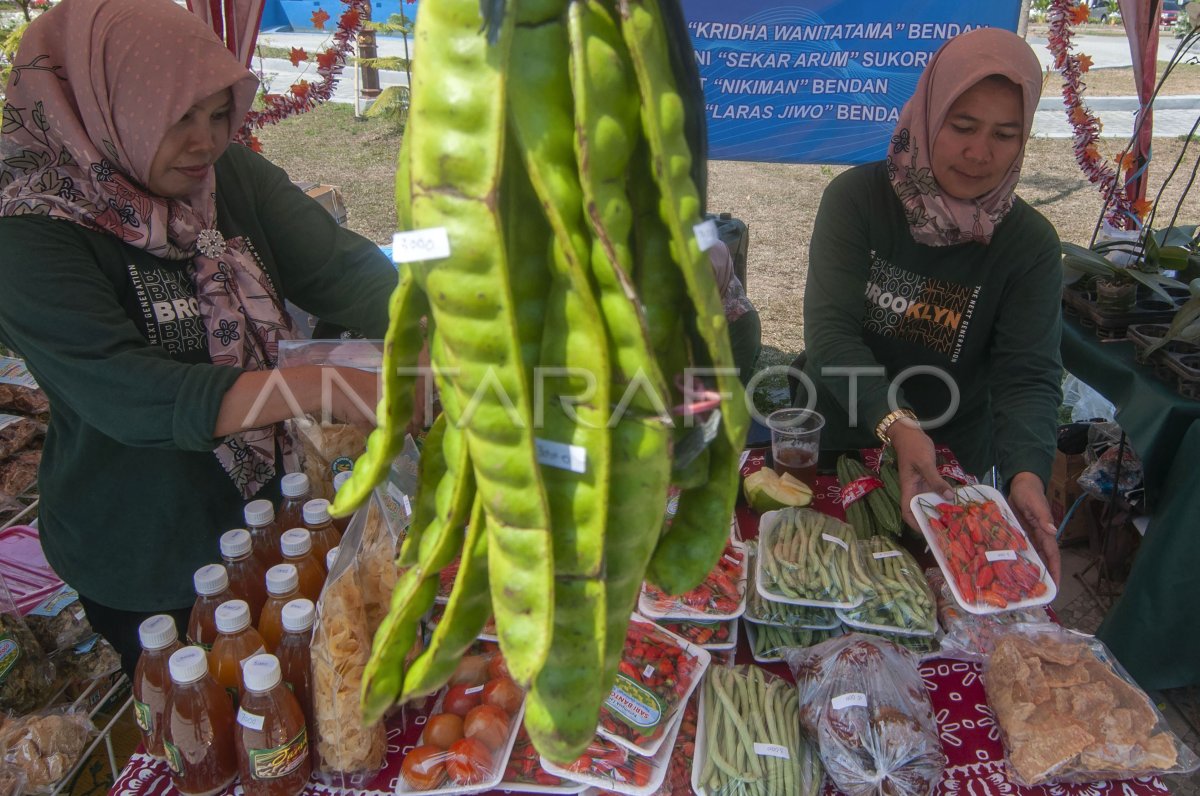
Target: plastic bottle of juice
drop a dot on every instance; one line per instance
(342, 523)
(198, 727)
(152, 679)
(272, 738)
(296, 545)
(331, 557)
(325, 536)
(247, 576)
(260, 521)
(212, 589)
(283, 584)
(236, 642)
(295, 660)
(296, 491)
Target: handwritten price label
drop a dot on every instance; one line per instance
(851, 700)
(886, 554)
(839, 542)
(706, 234)
(1001, 555)
(562, 456)
(420, 244)
(771, 750)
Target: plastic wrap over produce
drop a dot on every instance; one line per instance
(862, 698)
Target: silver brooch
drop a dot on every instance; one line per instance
(211, 243)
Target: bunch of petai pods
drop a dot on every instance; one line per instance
(548, 140)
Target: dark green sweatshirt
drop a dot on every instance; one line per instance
(985, 319)
(133, 498)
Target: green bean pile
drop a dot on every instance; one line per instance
(548, 142)
(752, 736)
(762, 611)
(812, 556)
(900, 598)
(767, 642)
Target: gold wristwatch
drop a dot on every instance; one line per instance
(881, 429)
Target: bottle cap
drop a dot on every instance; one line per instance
(235, 543)
(188, 664)
(282, 579)
(341, 478)
(259, 512)
(157, 632)
(330, 557)
(298, 615)
(316, 512)
(210, 579)
(294, 485)
(232, 616)
(261, 672)
(296, 542)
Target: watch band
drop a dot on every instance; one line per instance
(881, 429)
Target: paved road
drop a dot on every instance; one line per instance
(1174, 116)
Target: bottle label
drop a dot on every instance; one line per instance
(10, 653)
(144, 717)
(174, 759)
(634, 704)
(280, 761)
(56, 603)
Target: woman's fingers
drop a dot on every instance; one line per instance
(917, 465)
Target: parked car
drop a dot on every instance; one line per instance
(1168, 14)
(1103, 11)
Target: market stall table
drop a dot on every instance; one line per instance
(966, 724)
(1153, 614)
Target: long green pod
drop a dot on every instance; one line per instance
(467, 612)
(457, 124)
(686, 553)
(430, 471)
(606, 135)
(401, 347)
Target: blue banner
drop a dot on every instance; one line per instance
(822, 81)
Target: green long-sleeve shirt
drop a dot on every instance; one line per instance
(133, 499)
(985, 319)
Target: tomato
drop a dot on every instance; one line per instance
(459, 702)
(497, 667)
(443, 730)
(489, 724)
(472, 670)
(470, 762)
(504, 694)
(424, 768)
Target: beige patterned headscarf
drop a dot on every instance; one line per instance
(95, 86)
(936, 218)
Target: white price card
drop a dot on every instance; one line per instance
(648, 672)
(836, 540)
(475, 689)
(850, 700)
(251, 721)
(1001, 555)
(418, 245)
(561, 455)
(771, 750)
(886, 554)
(706, 234)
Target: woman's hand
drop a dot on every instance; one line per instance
(262, 397)
(1027, 496)
(916, 464)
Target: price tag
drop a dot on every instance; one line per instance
(886, 554)
(561, 455)
(251, 721)
(706, 234)
(771, 750)
(648, 672)
(420, 244)
(851, 700)
(475, 689)
(836, 540)
(1001, 555)
(407, 504)
(731, 560)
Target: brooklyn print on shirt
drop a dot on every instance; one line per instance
(170, 314)
(934, 313)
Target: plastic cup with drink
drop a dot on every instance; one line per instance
(796, 442)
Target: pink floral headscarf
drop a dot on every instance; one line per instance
(95, 86)
(936, 218)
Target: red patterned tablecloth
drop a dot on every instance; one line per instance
(970, 738)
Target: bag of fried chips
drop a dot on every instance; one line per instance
(349, 753)
(1068, 712)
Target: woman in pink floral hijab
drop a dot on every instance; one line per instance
(144, 263)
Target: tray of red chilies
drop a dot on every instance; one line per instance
(721, 596)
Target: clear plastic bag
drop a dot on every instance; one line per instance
(972, 637)
(1084, 402)
(26, 675)
(863, 699)
(348, 753)
(749, 734)
(1068, 712)
(767, 642)
(1099, 477)
(45, 746)
(900, 600)
(59, 621)
(721, 596)
(761, 611)
(12, 780)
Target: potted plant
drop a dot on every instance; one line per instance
(1116, 284)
